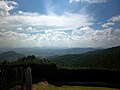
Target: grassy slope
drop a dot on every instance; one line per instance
(44, 86)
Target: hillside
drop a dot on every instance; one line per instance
(10, 55)
(107, 58)
(46, 52)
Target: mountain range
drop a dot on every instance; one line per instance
(45, 52)
(74, 57)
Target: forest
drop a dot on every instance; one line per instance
(106, 58)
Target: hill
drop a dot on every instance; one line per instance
(46, 52)
(10, 55)
(106, 58)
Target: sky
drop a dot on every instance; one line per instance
(59, 23)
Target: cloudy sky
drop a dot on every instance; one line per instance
(59, 23)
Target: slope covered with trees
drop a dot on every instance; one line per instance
(10, 55)
(107, 58)
(27, 60)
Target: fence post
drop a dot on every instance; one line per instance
(28, 77)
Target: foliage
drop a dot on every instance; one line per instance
(28, 60)
(107, 58)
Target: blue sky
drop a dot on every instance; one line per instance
(59, 23)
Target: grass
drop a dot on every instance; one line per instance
(46, 86)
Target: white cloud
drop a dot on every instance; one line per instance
(89, 1)
(19, 28)
(93, 38)
(117, 31)
(29, 29)
(106, 25)
(84, 31)
(95, 1)
(115, 18)
(27, 13)
(6, 6)
(71, 1)
(20, 12)
(10, 35)
(48, 31)
(82, 37)
(2, 30)
(15, 40)
(3, 22)
(112, 21)
(67, 20)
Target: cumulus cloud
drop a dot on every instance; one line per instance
(106, 25)
(29, 29)
(19, 28)
(112, 21)
(115, 18)
(15, 39)
(80, 37)
(83, 31)
(89, 1)
(10, 35)
(104, 37)
(117, 31)
(6, 6)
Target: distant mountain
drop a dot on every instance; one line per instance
(10, 55)
(45, 52)
(106, 58)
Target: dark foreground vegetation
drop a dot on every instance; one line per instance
(101, 68)
(14, 73)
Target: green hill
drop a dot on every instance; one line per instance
(10, 55)
(107, 58)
